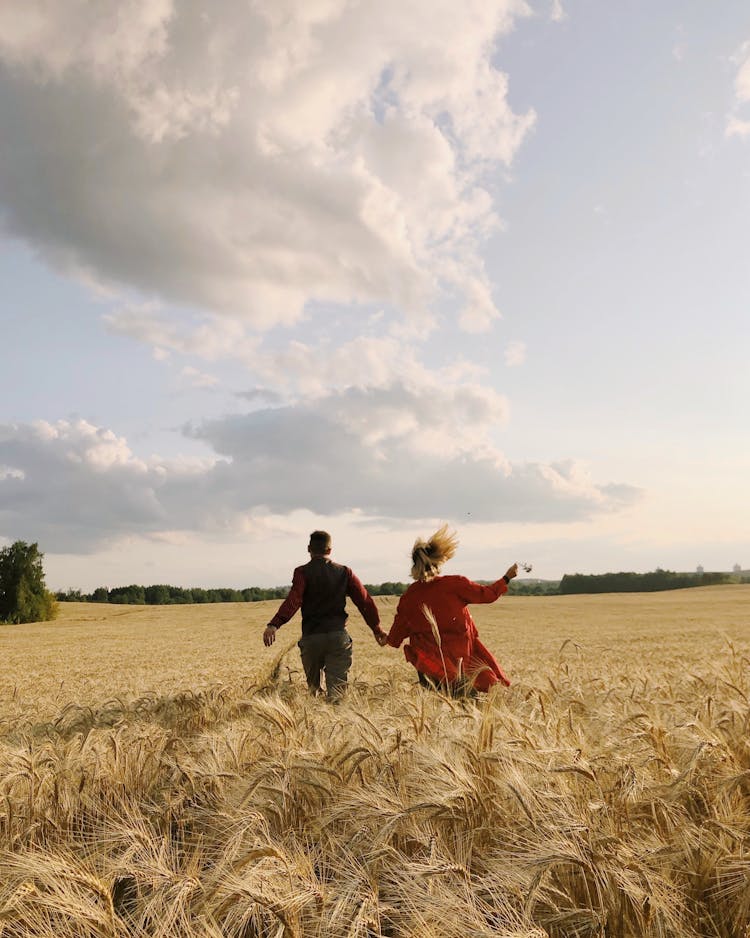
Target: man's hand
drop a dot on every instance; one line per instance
(381, 637)
(269, 636)
(512, 571)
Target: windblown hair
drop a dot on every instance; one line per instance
(428, 556)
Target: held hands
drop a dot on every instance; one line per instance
(269, 636)
(381, 637)
(512, 571)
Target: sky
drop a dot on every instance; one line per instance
(373, 267)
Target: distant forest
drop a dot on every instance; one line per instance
(643, 582)
(165, 595)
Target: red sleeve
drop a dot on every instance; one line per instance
(400, 628)
(362, 600)
(293, 601)
(471, 592)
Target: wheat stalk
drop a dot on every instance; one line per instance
(617, 803)
(430, 616)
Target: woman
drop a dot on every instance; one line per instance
(444, 645)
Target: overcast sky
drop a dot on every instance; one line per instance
(373, 266)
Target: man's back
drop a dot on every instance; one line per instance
(324, 596)
(320, 588)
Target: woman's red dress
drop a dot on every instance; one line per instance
(463, 654)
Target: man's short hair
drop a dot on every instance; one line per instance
(320, 542)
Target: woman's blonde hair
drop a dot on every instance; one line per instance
(428, 556)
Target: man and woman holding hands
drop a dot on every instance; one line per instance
(443, 643)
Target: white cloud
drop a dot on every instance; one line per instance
(428, 419)
(742, 79)
(558, 13)
(77, 486)
(515, 354)
(296, 369)
(249, 161)
(202, 336)
(374, 452)
(381, 385)
(194, 378)
(301, 368)
(250, 158)
(738, 124)
(737, 128)
(113, 42)
(382, 453)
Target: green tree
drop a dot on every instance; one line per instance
(23, 594)
(158, 595)
(133, 594)
(71, 595)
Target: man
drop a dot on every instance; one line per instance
(320, 587)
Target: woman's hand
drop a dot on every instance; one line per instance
(381, 637)
(512, 572)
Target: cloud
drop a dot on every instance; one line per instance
(203, 336)
(558, 13)
(193, 378)
(260, 395)
(251, 158)
(391, 452)
(75, 485)
(254, 164)
(515, 354)
(304, 369)
(738, 124)
(742, 79)
(737, 128)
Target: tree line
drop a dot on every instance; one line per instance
(163, 594)
(652, 582)
(624, 582)
(25, 598)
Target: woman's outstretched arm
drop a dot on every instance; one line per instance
(471, 592)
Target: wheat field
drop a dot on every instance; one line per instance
(163, 774)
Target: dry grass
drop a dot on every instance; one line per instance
(94, 654)
(161, 773)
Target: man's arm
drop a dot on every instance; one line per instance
(364, 602)
(288, 608)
